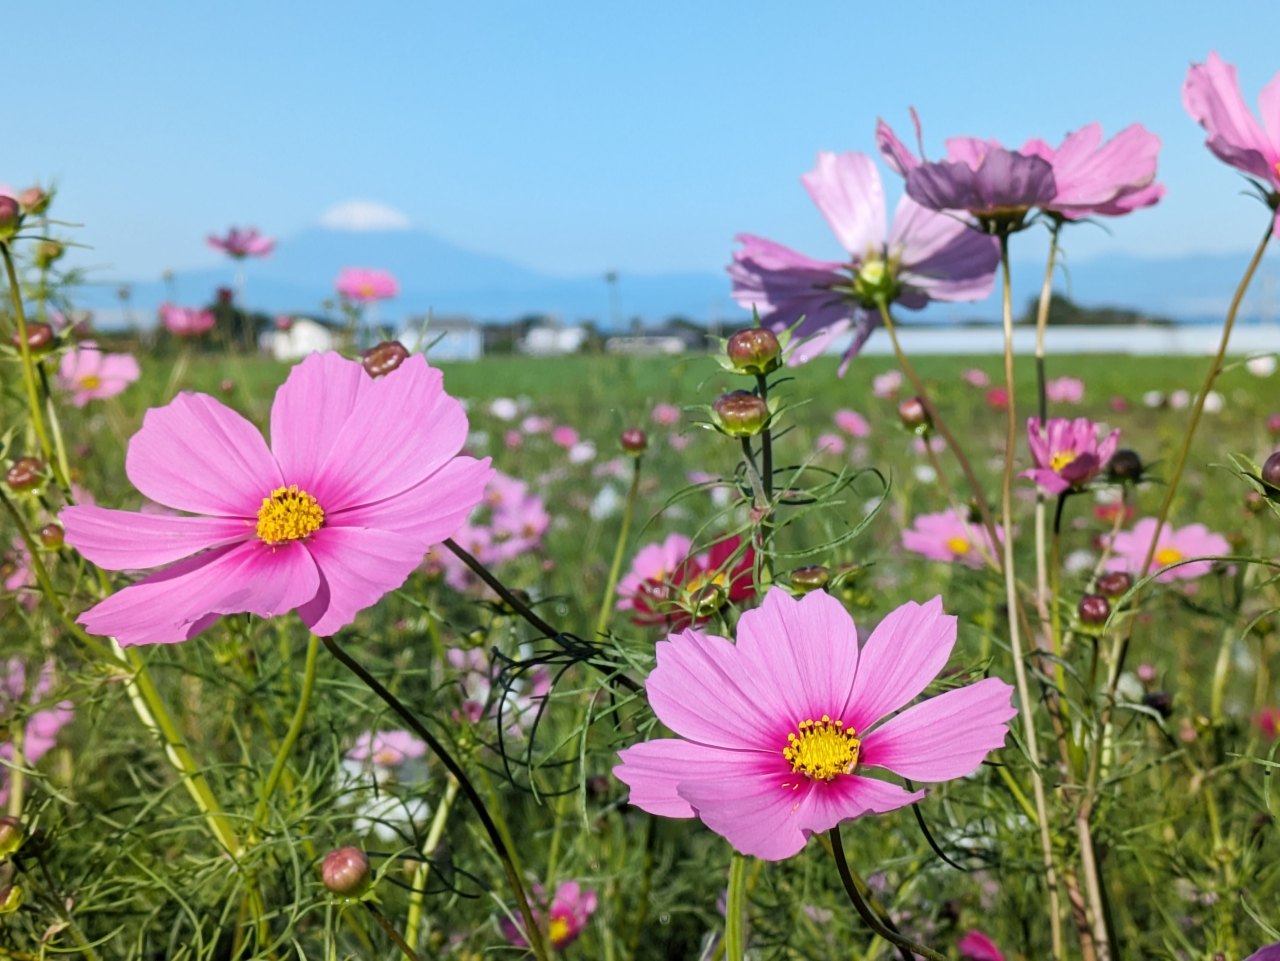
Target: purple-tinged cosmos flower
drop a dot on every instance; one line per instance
(88, 374)
(361, 478)
(386, 748)
(946, 536)
(1067, 452)
(924, 256)
(1211, 95)
(852, 423)
(778, 732)
(1097, 179)
(1065, 390)
(366, 285)
(1270, 953)
(240, 244)
(571, 909)
(185, 321)
(1194, 540)
(976, 946)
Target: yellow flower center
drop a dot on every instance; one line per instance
(90, 381)
(288, 514)
(386, 758)
(1168, 555)
(958, 545)
(1061, 459)
(822, 749)
(558, 931)
(367, 289)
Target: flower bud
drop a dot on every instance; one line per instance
(634, 441)
(228, 385)
(1094, 609)
(39, 336)
(1254, 502)
(346, 872)
(24, 474)
(1160, 701)
(741, 413)
(34, 201)
(10, 217)
(47, 251)
(914, 414)
(706, 599)
(10, 899)
(1125, 465)
(1115, 584)
(811, 578)
(1271, 470)
(383, 359)
(11, 836)
(52, 536)
(1273, 423)
(1146, 672)
(755, 350)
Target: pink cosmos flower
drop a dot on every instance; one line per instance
(1097, 179)
(1211, 95)
(829, 444)
(1067, 452)
(923, 256)
(537, 425)
(23, 577)
(1065, 390)
(564, 436)
(678, 442)
(777, 733)
(654, 563)
(1194, 540)
(185, 321)
(571, 909)
(239, 243)
(361, 478)
(997, 398)
(947, 536)
(976, 378)
(386, 748)
(88, 374)
(666, 415)
(40, 728)
(513, 439)
(851, 422)
(1267, 721)
(366, 285)
(976, 946)
(523, 696)
(887, 385)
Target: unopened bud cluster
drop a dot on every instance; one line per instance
(754, 350)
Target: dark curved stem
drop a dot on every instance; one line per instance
(464, 783)
(924, 829)
(392, 933)
(766, 442)
(906, 947)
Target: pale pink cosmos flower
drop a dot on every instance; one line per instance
(1211, 95)
(88, 374)
(976, 378)
(564, 436)
(513, 439)
(537, 425)
(582, 452)
(386, 748)
(654, 563)
(829, 444)
(976, 946)
(778, 733)
(678, 442)
(946, 536)
(185, 321)
(666, 415)
(851, 422)
(570, 911)
(361, 478)
(366, 285)
(523, 696)
(1067, 452)
(1101, 179)
(1065, 390)
(23, 578)
(887, 385)
(1194, 540)
(922, 256)
(40, 728)
(239, 243)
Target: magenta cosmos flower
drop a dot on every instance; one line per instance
(89, 374)
(1211, 94)
(185, 321)
(1067, 452)
(361, 478)
(778, 731)
(571, 909)
(947, 536)
(366, 285)
(1194, 540)
(976, 946)
(1065, 390)
(851, 422)
(240, 244)
(924, 256)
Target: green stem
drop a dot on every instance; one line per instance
(28, 367)
(290, 738)
(735, 919)
(1221, 671)
(17, 774)
(423, 870)
(606, 608)
(1042, 318)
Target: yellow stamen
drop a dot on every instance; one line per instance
(288, 514)
(1168, 555)
(1061, 459)
(558, 931)
(822, 749)
(90, 381)
(958, 545)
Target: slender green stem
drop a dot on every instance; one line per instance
(905, 945)
(423, 869)
(735, 916)
(1042, 318)
(290, 738)
(646, 879)
(1011, 598)
(17, 773)
(615, 569)
(24, 349)
(392, 933)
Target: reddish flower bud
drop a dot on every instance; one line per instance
(10, 835)
(227, 385)
(383, 359)
(634, 441)
(1254, 502)
(1115, 584)
(1094, 609)
(914, 414)
(39, 336)
(1273, 423)
(47, 251)
(1160, 701)
(741, 413)
(34, 201)
(755, 350)
(811, 578)
(24, 474)
(1271, 470)
(10, 217)
(52, 536)
(1125, 465)
(346, 872)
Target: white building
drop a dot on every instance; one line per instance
(444, 338)
(547, 340)
(303, 337)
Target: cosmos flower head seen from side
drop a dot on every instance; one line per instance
(185, 321)
(777, 735)
(361, 478)
(240, 244)
(922, 256)
(366, 285)
(1067, 452)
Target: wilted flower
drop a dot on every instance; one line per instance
(88, 374)
(1064, 390)
(239, 243)
(777, 733)
(946, 536)
(366, 285)
(1067, 452)
(1195, 540)
(185, 321)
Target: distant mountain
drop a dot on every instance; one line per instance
(437, 275)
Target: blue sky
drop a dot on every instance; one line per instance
(573, 137)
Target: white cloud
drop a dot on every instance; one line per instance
(364, 216)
